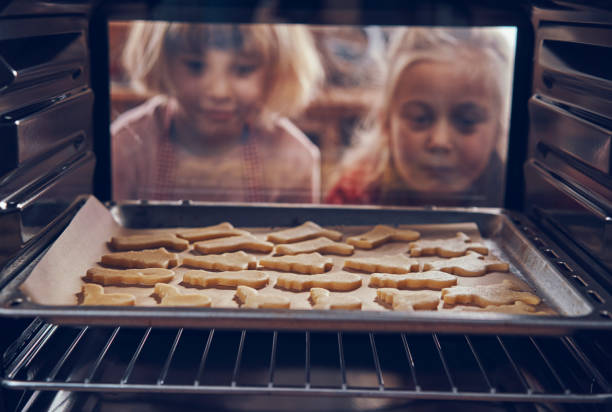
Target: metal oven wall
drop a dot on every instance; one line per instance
(46, 104)
(568, 172)
(46, 156)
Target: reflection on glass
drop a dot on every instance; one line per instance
(439, 134)
(215, 125)
(404, 116)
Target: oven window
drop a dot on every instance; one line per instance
(274, 113)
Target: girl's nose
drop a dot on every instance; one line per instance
(440, 139)
(217, 87)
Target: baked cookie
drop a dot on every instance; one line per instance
(518, 308)
(138, 259)
(250, 298)
(382, 234)
(137, 277)
(307, 230)
(432, 279)
(227, 261)
(335, 281)
(308, 263)
(321, 244)
(504, 293)
(224, 229)
(471, 264)
(322, 299)
(93, 295)
(450, 247)
(408, 300)
(387, 264)
(169, 295)
(201, 278)
(139, 242)
(232, 244)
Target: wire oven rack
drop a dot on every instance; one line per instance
(566, 369)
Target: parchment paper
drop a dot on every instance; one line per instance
(58, 277)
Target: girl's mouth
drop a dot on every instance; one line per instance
(218, 115)
(440, 171)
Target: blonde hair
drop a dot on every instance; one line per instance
(411, 45)
(291, 61)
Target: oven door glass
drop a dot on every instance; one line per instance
(309, 113)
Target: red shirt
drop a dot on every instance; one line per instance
(352, 188)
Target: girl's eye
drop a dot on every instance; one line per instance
(467, 117)
(195, 66)
(421, 121)
(243, 70)
(419, 115)
(465, 125)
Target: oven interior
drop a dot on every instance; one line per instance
(54, 108)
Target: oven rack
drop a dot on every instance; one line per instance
(568, 369)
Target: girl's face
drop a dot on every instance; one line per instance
(218, 92)
(443, 125)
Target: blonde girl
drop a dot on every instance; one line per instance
(439, 134)
(216, 126)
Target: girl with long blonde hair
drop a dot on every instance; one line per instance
(439, 133)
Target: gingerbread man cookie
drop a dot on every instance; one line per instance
(471, 264)
(432, 279)
(451, 247)
(322, 299)
(307, 230)
(93, 295)
(504, 293)
(408, 300)
(253, 299)
(232, 244)
(201, 278)
(336, 281)
(155, 258)
(227, 261)
(387, 264)
(139, 242)
(321, 244)
(169, 295)
(308, 263)
(224, 229)
(138, 277)
(382, 234)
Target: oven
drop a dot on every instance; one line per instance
(55, 109)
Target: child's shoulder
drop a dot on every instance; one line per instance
(288, 136)
(144, 121)
(353, 186)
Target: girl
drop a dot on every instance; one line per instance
(215, 129)
(441, 131)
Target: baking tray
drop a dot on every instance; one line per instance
(580, 302)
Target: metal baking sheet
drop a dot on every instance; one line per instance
(504, 233)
